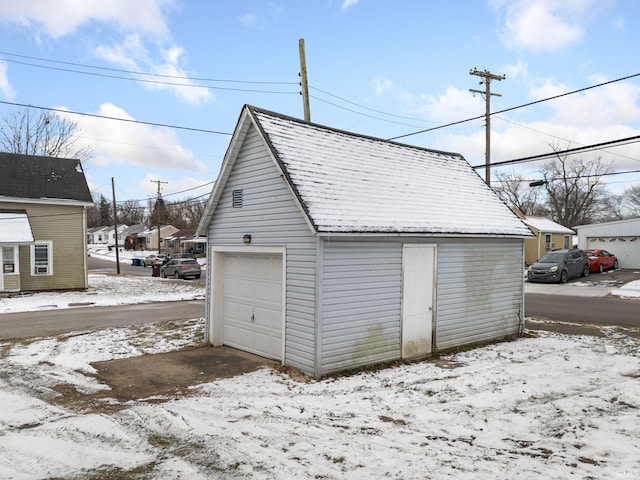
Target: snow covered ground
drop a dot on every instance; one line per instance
(544, 406)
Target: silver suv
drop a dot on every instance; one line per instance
(559, 266)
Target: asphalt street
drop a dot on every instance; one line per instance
(54, 322)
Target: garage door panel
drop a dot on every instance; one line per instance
(253, 303)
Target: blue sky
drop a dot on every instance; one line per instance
(378, 68)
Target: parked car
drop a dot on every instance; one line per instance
(154, 259)
(181, 268)
(601, 260)
(181, 255)
(559, 266)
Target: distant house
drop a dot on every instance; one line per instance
(94, 235)
(43, 202)
(185, 241)
(329, 250)
(549, 235)
(620, 237)
(148, 239)
(130, 237)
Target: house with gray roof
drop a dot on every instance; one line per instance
(329, 250)
(43, 202)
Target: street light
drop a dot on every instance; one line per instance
(538, 183)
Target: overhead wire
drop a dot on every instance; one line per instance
(518, 106)
(159, 75)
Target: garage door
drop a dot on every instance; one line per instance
(627, 250)
(252, 312)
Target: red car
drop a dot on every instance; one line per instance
(601, 260)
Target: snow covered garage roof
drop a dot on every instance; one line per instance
(350, 183)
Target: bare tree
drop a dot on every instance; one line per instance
(631, 200)
(575, 189)
(130, 212)
(514, 190)
(44, 134)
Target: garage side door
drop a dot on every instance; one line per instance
(252, 298)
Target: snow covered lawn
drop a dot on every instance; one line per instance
(544, 406)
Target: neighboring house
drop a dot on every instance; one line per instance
(621, 238)
(43, 202)
(111, 235)
(148, 239)
(97, 235)
(130, 237)
(549, 236)
(185, 241)
(330, 250)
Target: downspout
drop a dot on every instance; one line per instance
(319, 297)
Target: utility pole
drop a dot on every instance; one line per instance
(487, 78)
(115, 224)
(158, 208)
(303, 83)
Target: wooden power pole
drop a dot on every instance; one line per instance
(303, 82)
(115, 224)
(158, 208)
(487, 78)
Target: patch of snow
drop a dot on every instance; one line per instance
(629, 290)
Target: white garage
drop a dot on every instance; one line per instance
(249, 297)
(621, 238)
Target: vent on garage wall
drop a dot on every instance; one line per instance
(237, 198)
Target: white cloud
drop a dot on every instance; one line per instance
(346, 4)
(248, 19)
(132, 54)
(381, 85)
(69, 15)
(5, 87)
(544, 25)
(609, 105)
(453, 105)
(520, 69)
(116, 142)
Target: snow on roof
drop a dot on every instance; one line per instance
(356, 184)
(15, 227)
(547, 226)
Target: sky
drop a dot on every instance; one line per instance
(543, 406)
(179, 72)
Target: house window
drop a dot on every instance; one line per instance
(548, 244)
(8, 260)
(566, 241)
(238, 197)
(41, 258)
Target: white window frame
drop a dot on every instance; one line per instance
(49, 266)
(16, 265)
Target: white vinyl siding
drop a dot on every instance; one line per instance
(479, 291)
(360, 313)
(270, 215)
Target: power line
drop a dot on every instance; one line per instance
(158, 75)
(155, 82)
(356, 112)
(93, 115)
(569, 151)
(518, 106)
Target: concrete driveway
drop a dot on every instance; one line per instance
(595, 285)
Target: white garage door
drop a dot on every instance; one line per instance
(253, 303)
(628, 252)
